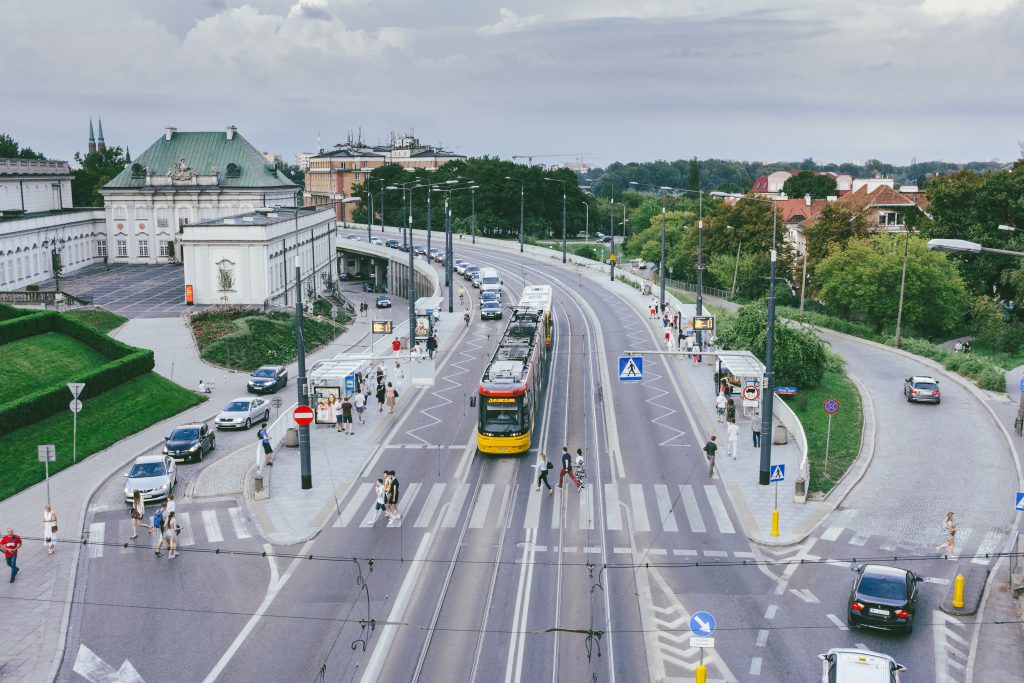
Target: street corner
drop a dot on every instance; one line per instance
(973, 590)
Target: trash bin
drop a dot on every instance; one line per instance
(291, 437)
(781, 435)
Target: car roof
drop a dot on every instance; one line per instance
(269, 367)
(243, 398)
(861, 666)
(155, 457)
(884, 570)
(923, 378)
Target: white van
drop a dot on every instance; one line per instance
(489, 280)
(848, 665)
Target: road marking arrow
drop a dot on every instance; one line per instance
(89, 666)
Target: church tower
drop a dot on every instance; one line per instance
(92, 138)
(101, 145)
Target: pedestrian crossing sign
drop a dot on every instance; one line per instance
(778, 472)
(631, 368)
(1019, 506)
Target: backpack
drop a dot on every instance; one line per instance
(158, 519)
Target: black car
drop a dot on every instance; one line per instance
(268, 379)
(392, 243)
(369, 287)
(883, 597)
(383, 301)
(190, 442)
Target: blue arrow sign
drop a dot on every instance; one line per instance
(631, 368)
(1022, 385)
(702, 624)
(778, 472)
(1020, 502)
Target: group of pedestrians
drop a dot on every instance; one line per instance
(163, 523)
(386, 496)
(575, 470)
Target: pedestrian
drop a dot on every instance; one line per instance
(380, 373)
(381, 394)
(431, 345)
(171, 531)
(696, 354)
(949, 528)
(171, 505)
(399, 372)
(138, 514)
(958, 346)
(49, 528)
(359, 401)
(668, 337)
(10, 543)
(755, 428)
(336, 411)
(720, 404)
(581, 468)
(417, 353)
(396, 346)
(567, 469)
(689, 347)
(733, 432)
(379, 500)
(203, 387)
(391, 394)
(346, 416)
(543, 465)
(653, 308)
(396, 515)
(709, 448)
(730, 410)
(268, 452)
(159, 517)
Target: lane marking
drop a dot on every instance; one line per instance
(665, 507)
(587, 508)
(770, 612)
(427, 511)
(636, 499)
(187, 536)
(211, 526)
(481, 506)
(454, 511)
(718, 509)
(838, 622)
(532, 519)
(354, 505)
(989, 544)
(693, 517)
(238, 522)
(97, 531)
(611, 507)
(832, 533)
(762, 637)
(755, 666)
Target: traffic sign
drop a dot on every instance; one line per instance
(697, 641)
(785, 391)
(47, 453)
(381, 326)
(778, 472)
(751, 392)
(703, 322)
(303, 415)
(75, 405)
(702, 624)
(1019, 506)
(1022, 385)
(631, 368)
(76, 388)
(831, 406)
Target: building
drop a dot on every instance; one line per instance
(249, 258)
(407, 151)
(186, 177)
(302, 160)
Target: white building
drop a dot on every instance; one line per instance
(250, 258)
(186, 177)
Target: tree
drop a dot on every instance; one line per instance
(693, 177)
(96, 169)
(863, 281)
(834, 226)
(10, 149)
(750, 275)
(809, 183)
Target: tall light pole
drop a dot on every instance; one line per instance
(473, 190)
(586, 230)
(522, 209)
(448, 259)
(305, 467)
(661, 267)
(412, 282)
(611, 238)
(381, 205)
(736, 268)
(559, 180)
(405, 188)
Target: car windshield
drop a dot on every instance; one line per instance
(491, 306)
(237, 407)
(491, 281)
(188, 434)
(140, 470)
(263, 372)
(884, 587)
(929, 386)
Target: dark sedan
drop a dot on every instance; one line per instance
(190, 442)
(268, 379)
(883, 597)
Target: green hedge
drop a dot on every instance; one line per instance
(7, 312)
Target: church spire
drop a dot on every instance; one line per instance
(101, 144)
(92, 138)
(127, 156)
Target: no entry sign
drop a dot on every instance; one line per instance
(303, 415)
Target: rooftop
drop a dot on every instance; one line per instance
(267, 216)
(33, 167)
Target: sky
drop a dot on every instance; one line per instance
(598, 80)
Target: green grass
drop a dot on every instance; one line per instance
(42, 360)
(98, 319)
(844, 445)
(104, 420)
(244, 339)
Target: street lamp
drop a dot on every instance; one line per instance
(448, 260)
(586, 233)
(430, 187)
(472, 192)
(559, 180)
(522, 208)
(405, 188)
(661, 268)
(356, 200)
(381, 205)
(611, 239)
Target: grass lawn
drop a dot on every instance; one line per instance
(43, 360)
(844, 445)
(98, 319)
(244, 339)
(102, 422)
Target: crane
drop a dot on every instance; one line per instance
(530, 157)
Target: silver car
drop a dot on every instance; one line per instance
(240, 413)
(153, 476)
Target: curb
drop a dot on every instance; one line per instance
(975, 580)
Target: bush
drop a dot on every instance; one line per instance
(31, 288)
(246, 338)
(322, 308)
(800, 356)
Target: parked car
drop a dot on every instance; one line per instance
(153, 476)
(488, 295)
(599, 234)
(345, 277)
(383, 301)
(490, 310)
(268, 379)
(392, 243)
(369, 287)
(849, 665)
(922, 388)
(883, 597)
(242, 412)
(581, 234)
(190, 442)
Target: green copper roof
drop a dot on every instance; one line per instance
(203, 152)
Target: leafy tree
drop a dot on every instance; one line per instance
(834, 226)
(693, 177)
(987, 321)
(810, 183)
(750, 275)
(95, 170)
(10, 149)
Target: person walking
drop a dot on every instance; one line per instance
(10, 543)
(359, 402)
(171, 531)
(720, 403)
(950, 527)
(346, 416)
(755, 428)
(171, 505)
(710, 448)
(396, 346)
(581, 468)
(462, 294)
(338, 422)
(417, 353)
(391, 397)
(543, 465)
(567, 469)
(159, 518)
(689, 347)
(268, 451)
(396, 515)
(733, 436)
(380, 502)
(138, 514)
(730, 410)
(431, 345)
(381, 396)
(49, 528)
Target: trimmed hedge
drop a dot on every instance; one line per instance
(7, 312)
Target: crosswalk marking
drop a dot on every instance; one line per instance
(212, 527)
(556, 511)
(636, 499)
(587, 509)
(989, 544)
(427, 511)
(718, 510)
(665, 511)
(832, 533)
(354, 505)
(186, 537)
(97, 534)
(533, 509)
(858, 539)
(480, 507)
(838, 622)
(405, 501)
(611, 507)
(452, 514)
(238, 523)
(693, 517)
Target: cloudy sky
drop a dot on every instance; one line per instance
(614, 79)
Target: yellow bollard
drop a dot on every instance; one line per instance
(958, 591)
(775, 522)
(702, 673)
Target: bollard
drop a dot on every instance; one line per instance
(775, 522)
(702, 673)
(258, 483)
(958, 591)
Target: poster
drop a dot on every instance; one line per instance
(422, 327)
(323, 398)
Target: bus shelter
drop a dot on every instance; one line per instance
(738, 370)
(428, 312)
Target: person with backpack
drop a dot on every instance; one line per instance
(171, 531)
(709, 448)
(158, 526)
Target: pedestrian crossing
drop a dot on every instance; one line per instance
(639, 508)
(861, 543)
(198, 528)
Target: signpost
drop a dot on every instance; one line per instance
(303, 415)
(777, 473)
(831, 407)
(1019, 505)
(751, 393)
(47, 454)
(785, 391)
(76, 406)
(702, 625)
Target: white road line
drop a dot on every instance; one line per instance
(762, 637)
(718, 509)
(805, 594)
(587, 508)
(636, 501)
(481, 506)
(622, 551)
(657, 551)
(743, 554)
(354, 505)
(665, 511)
(686, 553)
(513, 666)
(716, 553)
(532, 519)
(592, 550)
(97, 532)
(405, 503)
(989, 544)
(238, 523)
(211, 526)
(936, 580)
(858, 540)
(611, 507)
(832, 533)
(187, 536)
(755, 666)
(454, 511)
(693, 517)
(770, 612)
(556, 510)
(427, 511)
(862, 646)
(838, 622)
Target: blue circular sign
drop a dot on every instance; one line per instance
(702, 624)
(831, 406)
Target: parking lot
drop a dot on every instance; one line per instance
(134, 291)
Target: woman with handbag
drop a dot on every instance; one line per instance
(391, 394)
(138, 514)
(49, 528)
(171, 531)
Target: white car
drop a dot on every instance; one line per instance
(460, 266)
(153, 476)
(848, 665)
(241, 413)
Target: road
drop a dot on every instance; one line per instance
(488, 579)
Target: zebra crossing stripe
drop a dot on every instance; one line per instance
(481, 506)
(693, 517)
(636, 499)
(532, 519)
(587, 509)
(187, 537)
(611, 507)
(405, 501)
(556, 510)
(97, 532)
(427, 511)
(238, 522)
(454, 511)
(989, 544)
(832, 533)
(354, 505)
(718, 509)
(212, 527)
(665, 512)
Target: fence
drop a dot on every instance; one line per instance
(45, 298)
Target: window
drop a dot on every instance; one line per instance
(122, 249)
(144, 248)
(3, 276)
(101, 248)
(889, 218)
(165, 249)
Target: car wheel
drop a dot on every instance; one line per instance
(213, 443)
(200, 457)
(938, 401)
(248, 422)
(266, 415)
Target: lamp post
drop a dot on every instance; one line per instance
(586, 230)
(448, 260)
(522, 210)
(559, 180)
(355, 200)
(472, 194)
(305, 467)
(661, 269)
(405, 188)
(381, 205)
(611, 238)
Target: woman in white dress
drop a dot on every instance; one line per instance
(49, 528)
(171, 529)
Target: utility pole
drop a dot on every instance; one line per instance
(300, 341)
(611, 236)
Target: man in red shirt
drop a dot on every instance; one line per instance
(396, 346)
(10, 543)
